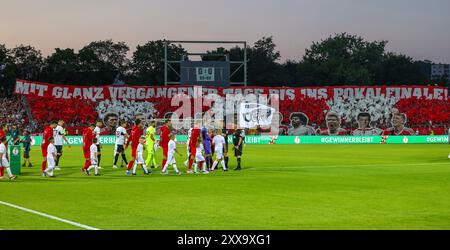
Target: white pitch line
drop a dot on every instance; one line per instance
(48, 216)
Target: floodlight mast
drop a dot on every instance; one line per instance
(167, 63)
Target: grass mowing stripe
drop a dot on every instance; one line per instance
(48, 216)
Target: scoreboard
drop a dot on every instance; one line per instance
(205, 73)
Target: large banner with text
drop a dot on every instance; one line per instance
(302, 111)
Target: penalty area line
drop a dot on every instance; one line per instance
(48, 216)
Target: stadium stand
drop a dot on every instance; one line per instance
(424, 116)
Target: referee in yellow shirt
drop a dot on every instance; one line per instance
(150, 137)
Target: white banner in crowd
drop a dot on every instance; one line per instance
(252, 115)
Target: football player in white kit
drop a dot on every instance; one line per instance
(199, 157)
(172, 149)
(93, 152)
(121, 136)
(52, 154)
(187, 147)
(140, 157)
(59, 134)
(219, 145)
(97, 132)
(3, 159)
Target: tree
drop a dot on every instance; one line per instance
(7, 72)
(148, 61)
(62, 66)
(342, 59)
(262, 66)
(102, 61)
(28, 62)
(400, 69)
(3, 54)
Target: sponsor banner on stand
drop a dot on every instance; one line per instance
(286, 140)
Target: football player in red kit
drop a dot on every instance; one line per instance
(165, 138)
(136, 133)
(48, 133)
(88, 137)
(195, 134)
(3, 131)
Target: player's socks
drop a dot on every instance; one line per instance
(87, 163)
(223, 165)
(130, 165)
(124, 157)
(57, 160)
(99, 157)
(164, 168)
(191, 161)
(134, 167)
(195, 167)
(226, 161)
(9, 172)
(214, 165)
(44, 165)
(208, 165)
(175, 168)
(116, 158)
(147, 161)
(2, 171)
(145, 169)
(201, 166)
(238, 163)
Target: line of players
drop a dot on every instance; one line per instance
(199, 148)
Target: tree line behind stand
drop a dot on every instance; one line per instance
(341, 59)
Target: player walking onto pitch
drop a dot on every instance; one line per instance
(48, 133)
(140, 157)
(195, 135)
(121, 136)
(88, 137)
(199, 158)
(97, 133)
(135, 136)
(3, 131)
(219, 145)
(207, 146)
(59, 135)
(150, 141)
(165, 137)
(3, 158)
(93, 158)
(52, 154)
(187, 147)
(172, 149)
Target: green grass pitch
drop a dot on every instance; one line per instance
(280, 187)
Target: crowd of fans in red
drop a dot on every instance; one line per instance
(425, 116)
(76, 113)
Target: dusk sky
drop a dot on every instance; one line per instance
(418, 28)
